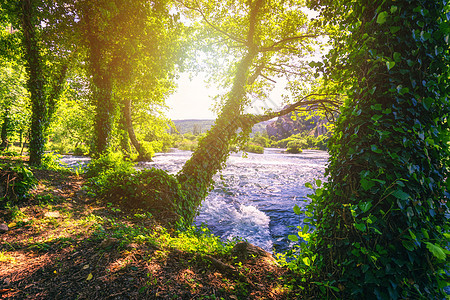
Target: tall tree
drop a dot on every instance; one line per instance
(380, 220)
(269, 37)
(132, 50)
(46, 73)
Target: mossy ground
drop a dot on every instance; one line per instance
(63, 244)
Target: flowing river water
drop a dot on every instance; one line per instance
(254, 196)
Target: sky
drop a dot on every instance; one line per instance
(192, 100)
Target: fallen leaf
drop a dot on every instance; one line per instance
(89, 277)
(85, 267)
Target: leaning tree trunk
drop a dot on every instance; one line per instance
(196, 176)
(35, 84)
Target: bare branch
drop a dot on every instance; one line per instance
(333, 101)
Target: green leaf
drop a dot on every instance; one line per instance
(366, 184)
(397, 57)
(376, 117)
(297, 210)
(305, 229)
(318, 182)
(375, 149)
(399, 194)
(308, 185)
(360, 226)
(395, 29)
(306, 261)
(293, 238)
(390, 64)
(436, 250)
(365, 206)
(408, 245)
(382, 16)
(428, 102)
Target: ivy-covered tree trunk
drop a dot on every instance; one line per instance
(4, 131)
(214, 149)
(381, 216)
(102, 92)
(35, 83)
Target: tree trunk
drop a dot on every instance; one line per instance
(35, 84)
(196, 176)
(129, 126)
(4, 132)
(380, 212)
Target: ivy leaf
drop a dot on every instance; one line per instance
(360, 226)
(365, 206)
(397, 57)
(297, 210)
(293, 238)
(399, 194)
(381, 19)
(366, 184)
(427, 103)
(390, 64)
(436, 250)
(408, 245)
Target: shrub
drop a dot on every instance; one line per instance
(253, 148)
(296, 146)
(81, 150)
(107, 162)
(154, 190)
(52, 161)
(15, 184)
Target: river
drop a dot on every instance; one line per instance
(254, 196)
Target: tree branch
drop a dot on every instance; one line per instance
(248, 120)
(274, 47)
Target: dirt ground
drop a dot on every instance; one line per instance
(63, 244)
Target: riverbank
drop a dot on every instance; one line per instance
(61, 243)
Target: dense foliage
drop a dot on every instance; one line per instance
(117, 181)
(381, 222)
(15, 183)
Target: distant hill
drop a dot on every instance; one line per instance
(201, 126)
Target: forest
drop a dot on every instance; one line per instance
(92, 78)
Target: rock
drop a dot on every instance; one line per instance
(109, 242)
(52, 214)
(244, 251)
(3, 228)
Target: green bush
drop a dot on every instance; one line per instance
(108, 162)
(116, 181)
(296, 146)
(81, 150)
(260, 140)
(254, 148)
(52, 161)
(15, 184)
